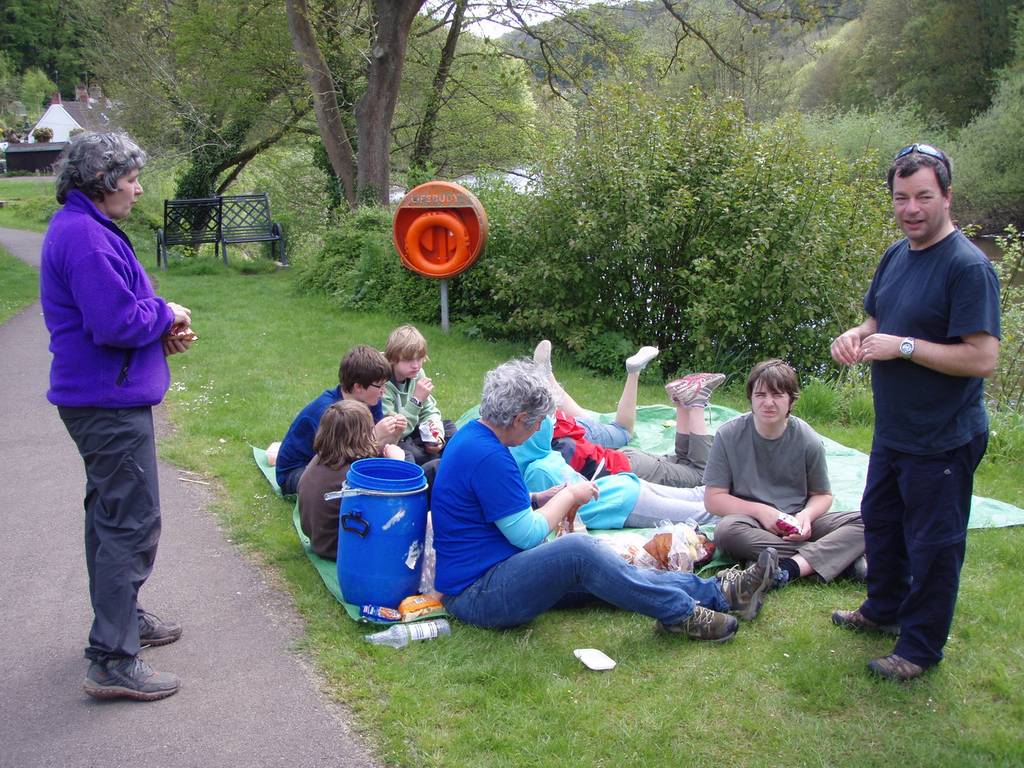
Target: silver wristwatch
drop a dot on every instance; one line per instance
(907, 348)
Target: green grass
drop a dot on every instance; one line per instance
(29, 203)
(19, 285)
(789, 690)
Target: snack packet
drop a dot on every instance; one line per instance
(787, 524)
(418, 606)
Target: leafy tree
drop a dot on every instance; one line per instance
(46, 35)
(566, 40)
(940, 54)
(216, 81)
(35, 88)
(989, 153)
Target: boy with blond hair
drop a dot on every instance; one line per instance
(408, 393)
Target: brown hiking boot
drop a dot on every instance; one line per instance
(857, 621)
(703, 624)
(745, 589)
(893, 667)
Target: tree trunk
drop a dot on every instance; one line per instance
(376, 109)
(424, 144)
(325, 100)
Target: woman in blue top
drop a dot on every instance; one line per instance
(495, 564)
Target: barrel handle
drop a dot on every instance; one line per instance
(355, 524)
(346, 492)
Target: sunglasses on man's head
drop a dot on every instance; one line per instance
(926, 149)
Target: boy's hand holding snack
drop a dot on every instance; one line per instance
(423, 389)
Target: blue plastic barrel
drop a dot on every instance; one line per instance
(381, 532)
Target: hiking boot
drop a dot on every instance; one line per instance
(639, 361)
(894, 667)
(857, 570)
(695, 390)
(745, 589)
(128, 678)
(154, 631)
(858, 621)
(542, 357)
(703, 624)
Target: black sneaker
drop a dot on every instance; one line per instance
(745, 589)
(857, 570)
(703, 624)
(128, 678)
(154, 631)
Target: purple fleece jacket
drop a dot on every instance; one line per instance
(105, 322)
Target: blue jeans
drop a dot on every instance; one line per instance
(572, 570)
(915, 513)
(607, 435)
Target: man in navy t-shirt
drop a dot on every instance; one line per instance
(932, 337)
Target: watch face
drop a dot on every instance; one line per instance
(906, 348)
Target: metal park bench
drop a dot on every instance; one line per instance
(246, 219)
(219, 220)
(189, 221)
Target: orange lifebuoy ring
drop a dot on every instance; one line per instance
(438, 263)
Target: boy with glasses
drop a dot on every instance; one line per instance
(362, 376)
(932, 337)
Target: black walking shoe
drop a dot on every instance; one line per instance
(154, 631)
(745, 589)
(128, 678)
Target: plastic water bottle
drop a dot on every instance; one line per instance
(400, 635)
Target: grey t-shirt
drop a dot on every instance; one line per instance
(781, 472)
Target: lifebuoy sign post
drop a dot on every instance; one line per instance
(440, 229)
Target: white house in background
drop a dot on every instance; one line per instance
(87, 112)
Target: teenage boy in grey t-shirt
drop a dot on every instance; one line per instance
(766, 462)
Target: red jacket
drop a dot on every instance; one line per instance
(581, 454)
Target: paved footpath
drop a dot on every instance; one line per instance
(246, 699)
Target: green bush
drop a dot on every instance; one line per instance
(668, 222)
(818, 403)
(358, 265)
(1006, 390)
(680, 224)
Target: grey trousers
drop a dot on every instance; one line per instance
(122, 519)
(683, 469)
(837, 539)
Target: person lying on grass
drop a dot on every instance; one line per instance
(624, 500)
(345, 434)
(362, 375)
(584, 442)
(495, 564)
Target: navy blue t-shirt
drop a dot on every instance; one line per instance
(939, 294)
(297, 447)
(477, 483)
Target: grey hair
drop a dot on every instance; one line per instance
(512, 388)
(94, 162)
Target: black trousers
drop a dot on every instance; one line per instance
(122, 519)
(915, 511)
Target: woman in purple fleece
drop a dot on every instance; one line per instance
(110, 335)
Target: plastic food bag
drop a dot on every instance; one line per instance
(672, 547)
